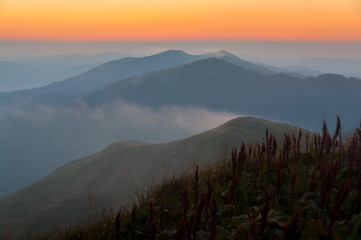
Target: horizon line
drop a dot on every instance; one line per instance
(177, 41)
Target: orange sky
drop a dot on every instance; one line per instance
(165, 20)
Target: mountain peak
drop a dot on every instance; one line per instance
(331, 76)
(225, 53)
(169, 56)
(229, 57)
(172, 53)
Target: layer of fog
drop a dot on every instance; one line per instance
(33, 143)
(118, 120)
(15, 50)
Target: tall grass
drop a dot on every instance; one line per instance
(302, 187)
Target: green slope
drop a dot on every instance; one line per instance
(121, 167)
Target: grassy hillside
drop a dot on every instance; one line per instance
(303, 187)
(121, 167)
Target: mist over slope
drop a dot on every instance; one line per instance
(121, 167)
(47, 137)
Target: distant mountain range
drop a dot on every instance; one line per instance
(106, 74)
(55, 123)
(216, 84)
(316, 66)
(77, 86)
(122, 168)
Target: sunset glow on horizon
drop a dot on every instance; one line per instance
(186, 20)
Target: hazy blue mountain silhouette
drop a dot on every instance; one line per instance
(68, 61)
(99, 77)
(216, 84)
(15, 76)
(32, 73)
(104, 75)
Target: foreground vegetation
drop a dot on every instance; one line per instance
(307, 187)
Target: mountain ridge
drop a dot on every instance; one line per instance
(101, 76)
(217, 85)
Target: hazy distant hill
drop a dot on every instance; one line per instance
(16, 76)
(228, 57)
(313, 66)
(68, 61)
(12, 75)
(121, 167)
(111, 72)
(33, 73)
(99, 77)
(216, 84)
